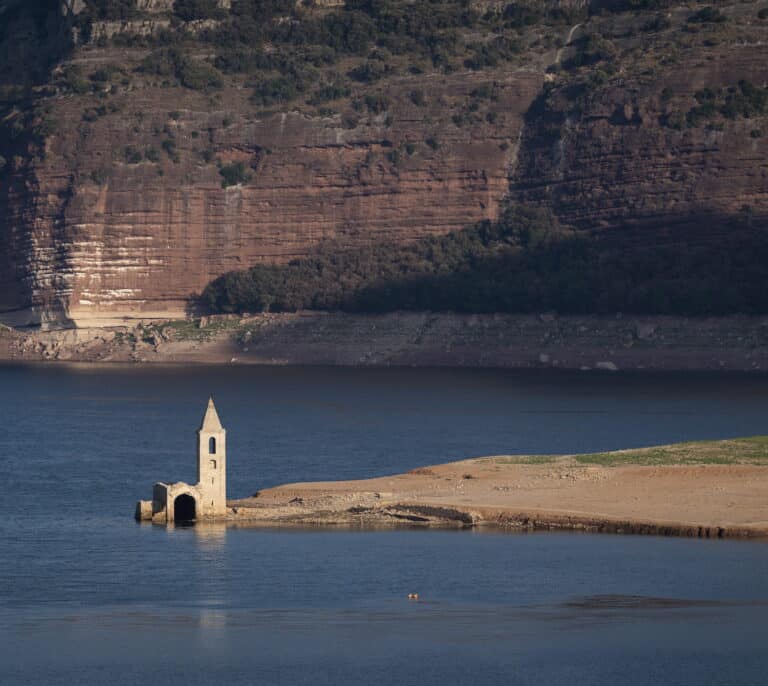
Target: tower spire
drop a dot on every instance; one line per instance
(211, 420)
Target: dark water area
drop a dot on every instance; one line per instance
(87, 596)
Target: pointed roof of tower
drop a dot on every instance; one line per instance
(211, 420)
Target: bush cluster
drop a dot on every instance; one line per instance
(742, 100)
(234, 174)
(522, 263)
(591, 49)
(175, 64)
(277, 90)
(630, 5)
(378, 30)
(331, 90)
(191, 10)
(707, 15)
(112, 9)
(281, 45)
(131, 155)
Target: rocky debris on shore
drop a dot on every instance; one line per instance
(604, 343)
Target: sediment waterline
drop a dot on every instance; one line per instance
(419, 516)
(414, 339)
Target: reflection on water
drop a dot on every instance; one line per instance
(210, 535)
(87, 596)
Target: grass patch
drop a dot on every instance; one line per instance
(199, 330)
(523, 459)
(752, 450)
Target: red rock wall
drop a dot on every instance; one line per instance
(617, 165)
(140, 244)
(89, 237)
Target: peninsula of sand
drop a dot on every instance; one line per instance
(704, 489)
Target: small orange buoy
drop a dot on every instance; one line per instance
(413, 596)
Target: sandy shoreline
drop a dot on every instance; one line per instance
(703, 500)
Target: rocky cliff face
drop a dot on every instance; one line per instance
(96, 236)
(628, 153)
(113, 205)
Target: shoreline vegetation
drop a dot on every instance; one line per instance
(705, 489)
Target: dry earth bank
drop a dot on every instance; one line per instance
(735, 343)
(712, 489)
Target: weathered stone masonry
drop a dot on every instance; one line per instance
(207, 499)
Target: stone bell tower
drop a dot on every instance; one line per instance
(212, 464)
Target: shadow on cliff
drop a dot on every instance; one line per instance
(642, 272)
(35, 35)
(524, 263)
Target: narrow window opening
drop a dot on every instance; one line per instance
(212, 464)
(211, 446)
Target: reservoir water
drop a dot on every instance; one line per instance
(87, 596)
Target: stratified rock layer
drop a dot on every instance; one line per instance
(619, 164)
(121, 212)
(95, 237)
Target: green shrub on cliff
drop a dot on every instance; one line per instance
(173, 63)
(98, 176)
(707, 15)
(333, 90)
(198, 75)
(277, 90)
(422, 29)
(131, 155)
(745, 100)
(191, 10)
(73, 81)
(591, 49)
(233, 174)
(630, 5)
(742, 100)
(112, 9)
(525, 262)
(370, 71)
(343, 32)
(335, 278)
(493, 53)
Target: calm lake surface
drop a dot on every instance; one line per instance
(89, 597)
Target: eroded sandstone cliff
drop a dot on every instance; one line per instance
(626, 152)
(115, 201)
(139, 242)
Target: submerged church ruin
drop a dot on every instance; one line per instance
(207, 499)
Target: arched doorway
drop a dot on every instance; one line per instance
(184, 509)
